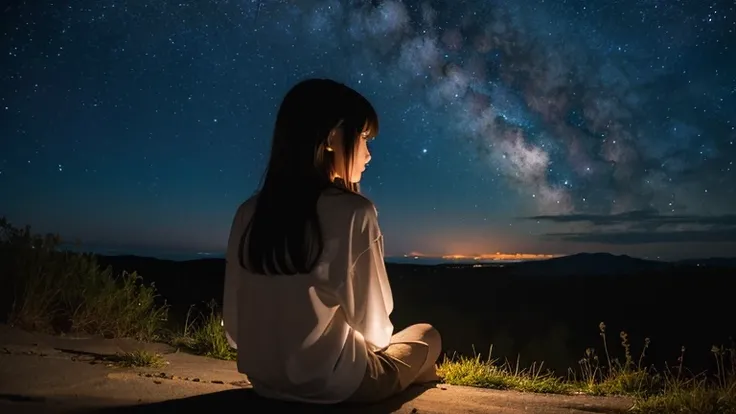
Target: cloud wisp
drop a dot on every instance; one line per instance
(643, 227)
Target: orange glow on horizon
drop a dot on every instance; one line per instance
(498, 256)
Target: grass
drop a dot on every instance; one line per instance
(669, 391)
(63, 292)
(488, 373)
(204, 334)
(57, 291)
(138, 358)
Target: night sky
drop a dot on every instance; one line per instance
(536, 126)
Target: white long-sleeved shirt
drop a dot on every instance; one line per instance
(305, 337)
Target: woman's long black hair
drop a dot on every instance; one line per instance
(284, 235)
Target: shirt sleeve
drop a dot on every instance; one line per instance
(365, 297)
(230, 312)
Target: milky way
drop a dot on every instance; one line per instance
(591, 124)
(505, 125)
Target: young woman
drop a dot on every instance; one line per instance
(307, 299)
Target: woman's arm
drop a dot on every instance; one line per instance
(232, 281)
(229, 302)
(365, 297)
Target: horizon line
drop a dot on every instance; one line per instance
(498, 257)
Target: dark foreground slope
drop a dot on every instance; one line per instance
(543, 311)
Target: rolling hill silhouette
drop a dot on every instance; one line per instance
(589, 264)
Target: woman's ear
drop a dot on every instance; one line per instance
(334, 139)
(329, 141)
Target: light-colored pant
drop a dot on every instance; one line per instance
(410, 356)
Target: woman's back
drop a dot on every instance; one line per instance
(305, 337)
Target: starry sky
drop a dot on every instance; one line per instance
(538, 127)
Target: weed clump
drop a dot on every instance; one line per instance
(489, 373)
(204, 334)
(139, 358)
(57, 291)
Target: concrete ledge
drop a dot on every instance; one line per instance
(46, 374)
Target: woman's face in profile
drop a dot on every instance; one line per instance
(361, 157)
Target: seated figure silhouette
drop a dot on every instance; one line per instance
(307, 299)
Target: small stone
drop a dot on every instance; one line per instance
(195, 379)
(156, 382)
(217, 382)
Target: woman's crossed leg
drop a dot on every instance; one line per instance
(409, 359)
